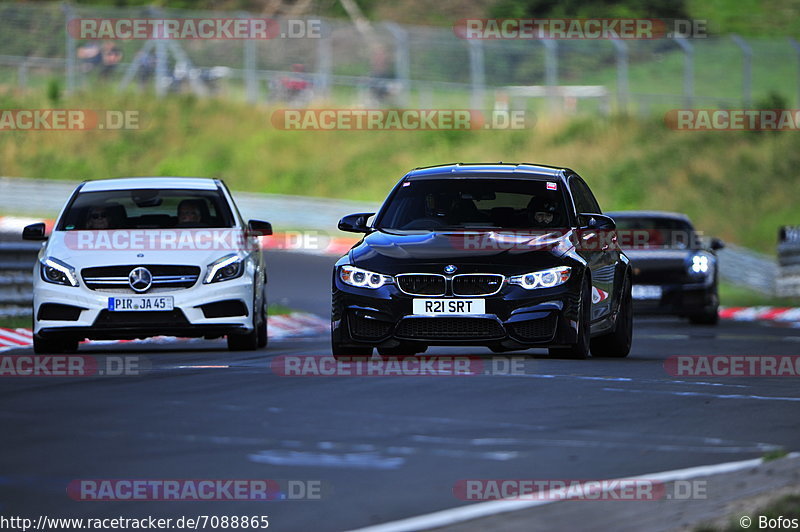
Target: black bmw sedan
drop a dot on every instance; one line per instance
(674, 269)
(507, 256)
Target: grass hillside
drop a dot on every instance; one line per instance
(737, 185)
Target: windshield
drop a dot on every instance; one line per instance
(467, 204)
(655, 232)
(147, 209)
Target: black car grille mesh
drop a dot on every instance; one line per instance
(541, 329)
(422, 284)
(368, 328)
(660, 276)
(141, 319)
(165, 276)
(477, 285)
(456, 328)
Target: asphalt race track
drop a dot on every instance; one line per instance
(385, 448)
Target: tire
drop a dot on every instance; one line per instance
(405, 349)
(54, 344)
(262, 329)
(243, 342)
(705, 318)
(580, 349)
(617, 343)
(350, 353)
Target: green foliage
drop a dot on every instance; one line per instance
(54, 91)
(718, 178)
(584, 9)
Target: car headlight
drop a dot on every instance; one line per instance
(363, 278)
(224, 269)
(542, 279)
(700, 264)
(58, 272)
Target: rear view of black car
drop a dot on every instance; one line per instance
(674, 270)
(505, 256)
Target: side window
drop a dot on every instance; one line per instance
(584, 199)
(578, 196)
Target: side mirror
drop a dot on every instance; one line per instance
(598, 221)
(355, 223)
(717, 244)
(34, 232)
(259, 228)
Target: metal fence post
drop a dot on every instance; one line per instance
(70, 51)
(621, 49)
(551, 68)
(688, 70)
(249, 65)
(402, 64)
(747, 70)
(324, 60)
(796, 46)
(161, 79)
(477, 73)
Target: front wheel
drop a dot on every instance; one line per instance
(54, 344)
(617, 343)
(405, 349)
(349, 353)
(243, 342)
(262, 329)
(580, 349)
(710, 317)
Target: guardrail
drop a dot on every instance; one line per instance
(39, 197)
(16, 264)
(788, 283)
(748, 268)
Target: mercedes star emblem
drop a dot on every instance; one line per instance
(140, 279)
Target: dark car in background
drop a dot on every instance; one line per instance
(674, 270)
(483, 254)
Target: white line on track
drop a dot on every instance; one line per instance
(713, 395)
(490, 508)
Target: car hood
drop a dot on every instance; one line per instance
(67, 246)
(660, 257)
(392, 252)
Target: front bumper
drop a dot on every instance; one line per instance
(680, 300)
(85, 312)
(514, 318)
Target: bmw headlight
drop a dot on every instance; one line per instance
(58, 272)
(224, 269)
(542, 279)
(700, 264)
(363, 278)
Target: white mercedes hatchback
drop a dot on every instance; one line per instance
(148, 256)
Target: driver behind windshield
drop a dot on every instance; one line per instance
(543, 212)
(190, 213)
(97, 218)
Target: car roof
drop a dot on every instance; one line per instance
(131, 183)
(648, 214)
(511, 170)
